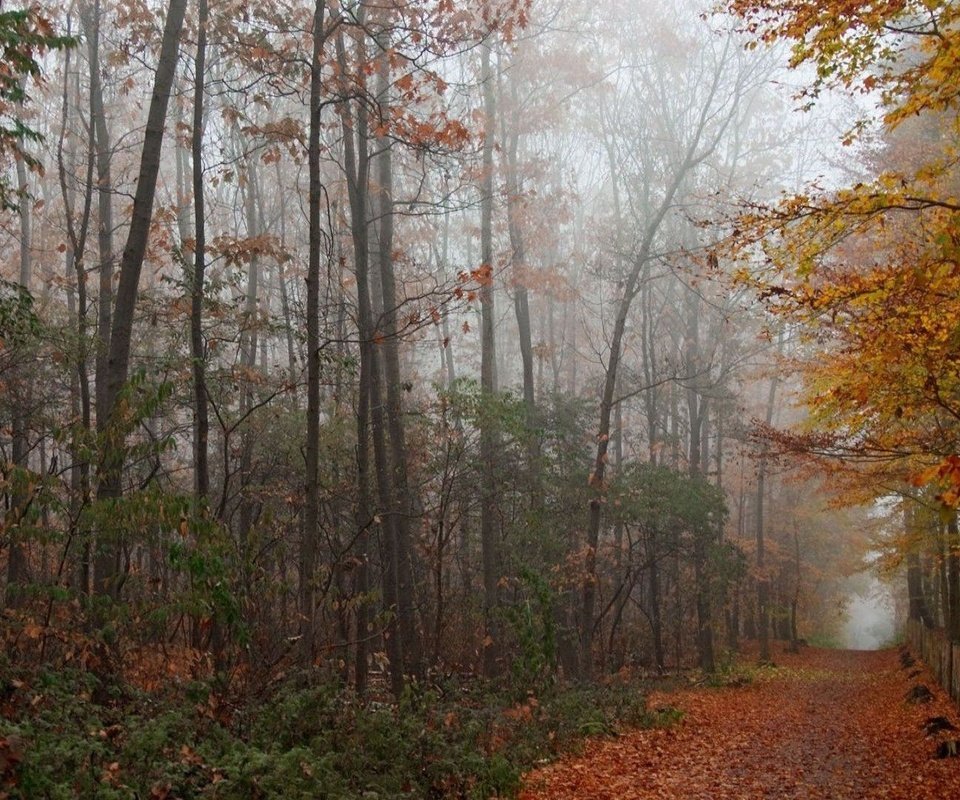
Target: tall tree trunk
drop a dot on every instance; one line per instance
(91, 18)
(401, 505)
(795, 600)
(357, 163)
(251, 321)
(917, 608)
(78, 311)
(953, 578)
(521, 301)
(656, 616)
(201, 424)
(489, 543)
(17, 565)
(282, 282)
(364, 519)
(311, 512)
(446, 342)
(696, 414)
(248, 353)
(733, 621)
(107, 562)
(622, 589)
(763, 581)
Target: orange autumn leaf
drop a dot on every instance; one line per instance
(821, 724)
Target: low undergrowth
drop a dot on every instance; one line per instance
(62, 736)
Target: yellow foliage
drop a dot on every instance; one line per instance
(871, 273)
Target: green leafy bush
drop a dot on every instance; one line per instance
(467, 742)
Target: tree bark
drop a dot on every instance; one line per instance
(249, 335)
(90, 19)
(953, 578)
(795, 600)
(401, 502)
(763, 582)
(311, 512)
(656, 617)
(104, 560)
(489, 543)
(696, 415)
(450, 370)
(17, 564)
(917, 607)
(77, 306)
(521, 300)
(201, 424)
(357, 163)
(107, 562)
(282, 282)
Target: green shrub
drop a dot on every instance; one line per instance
(459, 742)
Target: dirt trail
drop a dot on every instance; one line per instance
(825, 724)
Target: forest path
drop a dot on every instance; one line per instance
(824, 724)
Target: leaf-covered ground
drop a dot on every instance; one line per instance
(825, 724)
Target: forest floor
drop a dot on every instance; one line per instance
(824, 724)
